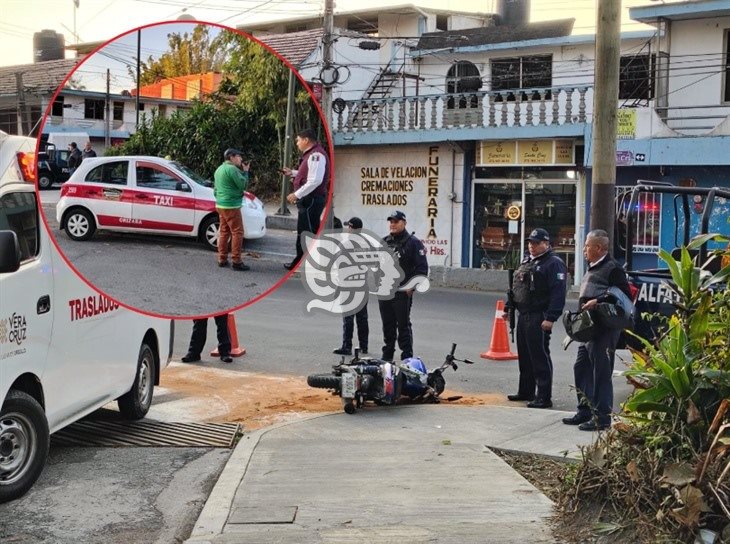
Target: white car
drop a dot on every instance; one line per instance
(146, 194)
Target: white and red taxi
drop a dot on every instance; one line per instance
(146, 194)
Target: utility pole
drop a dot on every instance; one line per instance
(605, 104)
(107, 114)
(136, 96)
(327, 39)
(284, 208)
(21, 107)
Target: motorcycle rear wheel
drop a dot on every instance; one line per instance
(324, 381)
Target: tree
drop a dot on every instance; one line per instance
(196, 53)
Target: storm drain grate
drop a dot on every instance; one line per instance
(146, 433)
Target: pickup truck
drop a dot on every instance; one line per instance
(52, 167)
(695, 211)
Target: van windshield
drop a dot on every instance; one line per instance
(197, 178)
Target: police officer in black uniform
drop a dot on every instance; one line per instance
(396, 312)
(539, 297)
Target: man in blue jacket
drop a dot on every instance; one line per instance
(539, 297)
(396, 312)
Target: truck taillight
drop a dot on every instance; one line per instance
(26, 162)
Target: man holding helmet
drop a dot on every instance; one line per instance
(593, 368)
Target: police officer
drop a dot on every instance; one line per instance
(396, 312)
(539, 297)
(593, 368)
(311, 181)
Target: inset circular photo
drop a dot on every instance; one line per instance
(176, 165)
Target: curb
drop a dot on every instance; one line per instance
(213, 517)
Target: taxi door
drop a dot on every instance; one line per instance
(26, 295)
(105, 190)
(163, 200)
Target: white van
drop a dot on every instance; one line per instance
(65, 350)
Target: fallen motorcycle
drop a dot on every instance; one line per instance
(365, 379)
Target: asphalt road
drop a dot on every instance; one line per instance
(169, 275)
(282, 338)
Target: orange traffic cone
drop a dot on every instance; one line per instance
(499, 346)
(236, 350)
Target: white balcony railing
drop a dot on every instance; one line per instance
(491, 109)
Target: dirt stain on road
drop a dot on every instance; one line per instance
(258, 400)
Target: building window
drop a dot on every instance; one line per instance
(57, 108)
(463, 77)
(363, 25)
(636, 79)
(93, 108)
(533, 72)
(119, 111)
(442, 22)
(162, 110)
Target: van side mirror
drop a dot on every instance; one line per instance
(9, 252)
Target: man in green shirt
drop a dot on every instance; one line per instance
(230, 181)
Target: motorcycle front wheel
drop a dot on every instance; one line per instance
(324, 381)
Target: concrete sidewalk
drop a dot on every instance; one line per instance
(405, 474)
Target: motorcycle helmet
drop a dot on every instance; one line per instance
(579, 326)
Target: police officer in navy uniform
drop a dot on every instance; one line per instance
(396, 312)
(593, 368)
(539, 297)
(310, 183)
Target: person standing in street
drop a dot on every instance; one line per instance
(539, 296)
(200, 333)
(311, 181)
(229, 183)
(74, 157)
(361, 317)
(396, 312)
(593, 368)
(88, 152)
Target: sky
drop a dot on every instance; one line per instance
(101, 20)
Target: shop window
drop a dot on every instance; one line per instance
(533, 72)
(463, 77)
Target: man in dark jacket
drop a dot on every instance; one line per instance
(539, 297)
(74, 157)
(593, 368)
(311, 181)
(396, 312)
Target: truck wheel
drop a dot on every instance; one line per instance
(209, 232)
(24, 442)
(80, 225)
(324, 381)
(44, 182)
(136, 402)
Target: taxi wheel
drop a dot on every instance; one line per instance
(136, 402)
(209, 232)
(79, 224)
(24, 441)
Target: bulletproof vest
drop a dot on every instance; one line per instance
(526, 291)
(595, 282)
(303, 171)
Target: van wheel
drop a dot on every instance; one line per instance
(79, 225)
(24, 442)
(136, 402)
(209, 232)
(45, 182)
